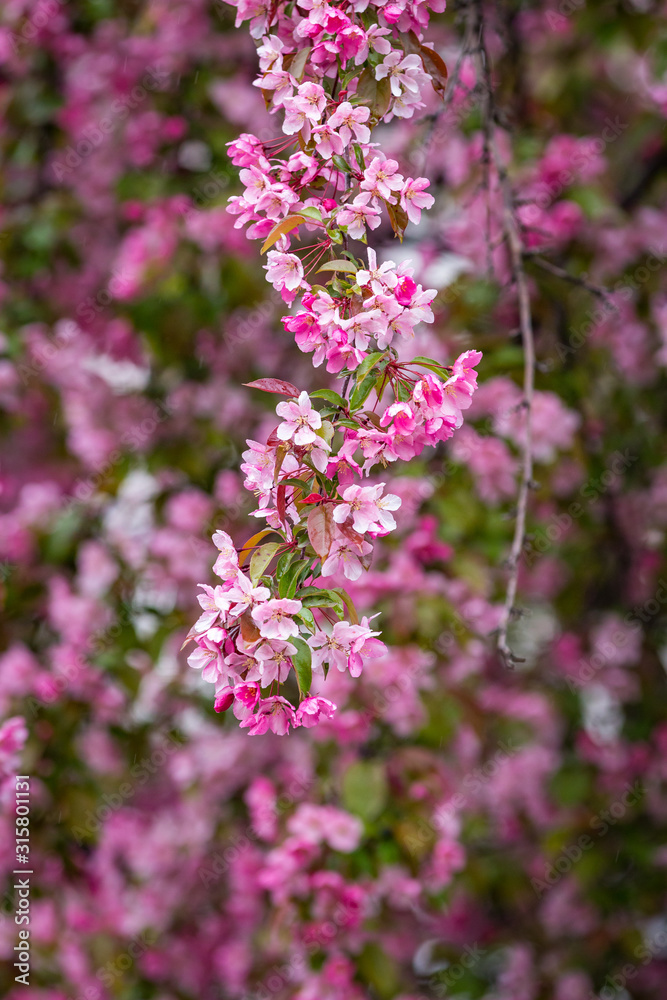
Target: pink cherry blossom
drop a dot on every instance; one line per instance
(381, 178)
(349, 121)
(414, 199)
(243, 595)
(311, 711)
(275, 620)
(358, 214)
(275, 714)
(284, 270)
(300, 420)
(370, 511)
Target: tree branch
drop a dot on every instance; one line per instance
(516, 252)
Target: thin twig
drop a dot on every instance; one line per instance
(560, 272)
(516, 252)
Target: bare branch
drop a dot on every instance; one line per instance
(516, 252)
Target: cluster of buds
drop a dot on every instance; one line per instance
(273, 621)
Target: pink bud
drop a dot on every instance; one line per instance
(404, 291)
(224, 700)
(392, 13)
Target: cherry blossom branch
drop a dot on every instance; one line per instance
(332, 76)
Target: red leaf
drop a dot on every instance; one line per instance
(274, 385)
(313, 498)
(321, 530)
(280, 502)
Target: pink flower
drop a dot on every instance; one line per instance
(402, 415)
(208, 656)
(413, 198)
(357, 215)
(304, 109)
(368, 508)
(311, 711)
(341, 830)
(210, 610)
(380, 279)
(273, 662)
(277, 201)
(347, 558)
(13, 735)
(246, 697)
(257, 182)
(274, 713)
(404, 74)
(243, 595)
(284, 270)
(226, 565)
(300, 420)
(345, 646)
(349, 120)
(328, 141)
(333, 648)
(381, 178)
(319, 10)
(274, 618)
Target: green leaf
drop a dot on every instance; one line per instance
(362, 392)
(282, 565)
(354, 617)
(365, 789)
(311, 213)
(253, 541)
(325, 599)
(307, 618)
(302, 665)
(261, 558)
(341, 164)
(330, 396)
(299, 484)
(367, 364)
(359, 156)
(297, 64)
(339, 265)
(288, 576)
(398, 218)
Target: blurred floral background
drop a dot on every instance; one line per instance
(459, 828)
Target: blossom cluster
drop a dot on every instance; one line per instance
(333, 76)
